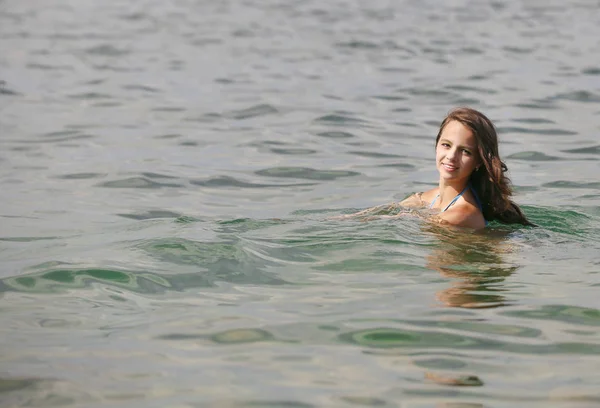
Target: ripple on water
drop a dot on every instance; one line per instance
(538, 104)
(405, 338)
(90, 96)
(534, 120)
(336, 134)
(572, 184)
(393, 98)
(14, 384)
(241, 336)
(366, 401)
(227, 181)
(47, 67)
(584, 150)
(305, 173)
(369, 45)
(81, 176)
(568, 222)
(152, 214)
(416, 340)
(533, 156)
(107, 50)
(137, 182)
(293, 151)
(216, 261)
(341, 118)
(579, 96)
(404, 166)
(58, 136)
(139, 87)
(4, 90)
(251, 112)
(468, 88)
(591, 71)
(52, 280)
(547, 132)
(376, 155)
(560, 313)
(271, 404)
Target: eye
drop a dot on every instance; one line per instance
(444, 144)
(467, 152)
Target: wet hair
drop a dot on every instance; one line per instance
(489, 180)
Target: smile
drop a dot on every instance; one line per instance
(449, 167)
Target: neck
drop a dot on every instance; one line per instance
(449, 189)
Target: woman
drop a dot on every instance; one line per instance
(472, 188)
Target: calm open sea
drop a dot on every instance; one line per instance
(168, 174)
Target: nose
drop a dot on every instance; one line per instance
(451, 153)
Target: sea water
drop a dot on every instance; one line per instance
(170, 177)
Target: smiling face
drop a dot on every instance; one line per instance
(456, 153)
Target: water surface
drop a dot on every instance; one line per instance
(169, 171)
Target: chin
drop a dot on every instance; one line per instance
(453, 177)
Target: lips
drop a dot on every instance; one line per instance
(449, 167)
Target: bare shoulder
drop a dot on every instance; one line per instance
(465, 216)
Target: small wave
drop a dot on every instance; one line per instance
(137, 182)
(81, 176)
(336, 135)
(547, 132)
(572, 184)
(107, 50)
(533, 156)
(251, 112)
(227, 181)
(579, 96)
(306, 173)
(339, 119)
(151, 214)
(293, 151)
(584, 150)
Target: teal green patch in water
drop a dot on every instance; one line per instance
(14, 384)
(239, 336)
(56, 280)
(562, 313)
(365, 401)
(389, 337)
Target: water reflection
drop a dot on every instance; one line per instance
(476, 265)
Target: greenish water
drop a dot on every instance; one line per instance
(170, 172)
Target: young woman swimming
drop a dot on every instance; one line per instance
(473, 188)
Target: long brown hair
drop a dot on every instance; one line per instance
(489, 181)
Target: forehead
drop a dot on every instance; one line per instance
(458, 133)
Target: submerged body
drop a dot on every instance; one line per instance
(464, 210)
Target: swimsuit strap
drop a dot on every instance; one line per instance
(478, 201)
(451, 202)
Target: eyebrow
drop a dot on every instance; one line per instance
(465, 146)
